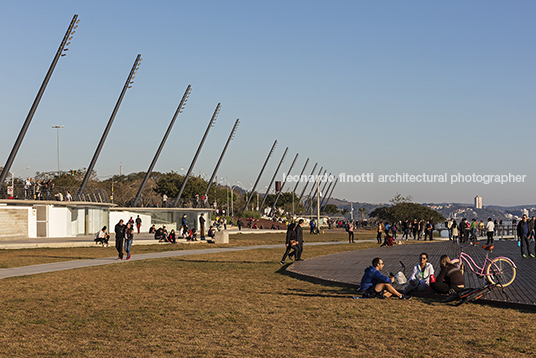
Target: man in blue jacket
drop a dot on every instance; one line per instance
(374, 284)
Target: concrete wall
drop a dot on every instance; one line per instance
(14, 222)
(115, 216)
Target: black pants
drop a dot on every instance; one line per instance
(299, 250)
(490, 238)
(350, 236)
(288, 253)
(443, 287)
(119, 247)
(379, 237)
(524, 242)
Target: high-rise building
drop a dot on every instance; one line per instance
(478, 202)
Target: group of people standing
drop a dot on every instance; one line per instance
(386, 232)
(294, 242)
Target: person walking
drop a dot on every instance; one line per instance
(299, 239)
(138, 223)
(351, 232)
(119, 236)
(290, 243)
(129, 237)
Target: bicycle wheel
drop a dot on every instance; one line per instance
(459, 264)
(501, 272)
(463, 241)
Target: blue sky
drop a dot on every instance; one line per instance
(357, 86)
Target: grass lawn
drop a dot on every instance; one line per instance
(26, 257)
(237, 304)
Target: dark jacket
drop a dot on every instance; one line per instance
(451, 275)
(520, 228)
(119, 231)
(291, 234)
(299, 234)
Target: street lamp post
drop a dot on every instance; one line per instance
(228, 186)
(58, 138)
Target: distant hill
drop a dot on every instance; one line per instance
(448, 210)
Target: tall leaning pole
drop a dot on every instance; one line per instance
(283, 184)
(298, 182)
(335, 183)
(127, 85)
(63, 47)
(307, 183)
(273, 178)
(191, 168)
(306, 206)
(231, 136)
(260, 174)
(180, 108)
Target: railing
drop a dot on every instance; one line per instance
(58, 193)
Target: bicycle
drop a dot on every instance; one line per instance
(500, 270)
(470, 294)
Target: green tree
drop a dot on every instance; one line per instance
(330, 209)
(403, 211)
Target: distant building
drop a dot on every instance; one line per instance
(526, 212)
(478, 202)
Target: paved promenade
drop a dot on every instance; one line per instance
(347, 268)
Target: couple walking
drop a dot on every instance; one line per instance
(294, 242)
(123, 233)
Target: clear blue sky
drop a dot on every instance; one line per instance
(357, 86)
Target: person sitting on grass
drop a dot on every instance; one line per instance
(376, 285)
(211, 233)
(193, 235)
(159, 234)
(172, 239)
(102, 237)
(421, 275)
(450, 277)
(388, 240)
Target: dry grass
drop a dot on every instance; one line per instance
(238, 304)
(26, 257)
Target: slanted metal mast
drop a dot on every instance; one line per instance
(64, 43)
(231, 136)
(298, 182)
(306, 184)
(127, 85)
(283, 184)
(260, 174)
(306, 207)
(325, 196)
(273, 178)
(191, 168)
(334, 184)
(180, 108)
(317, 190)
